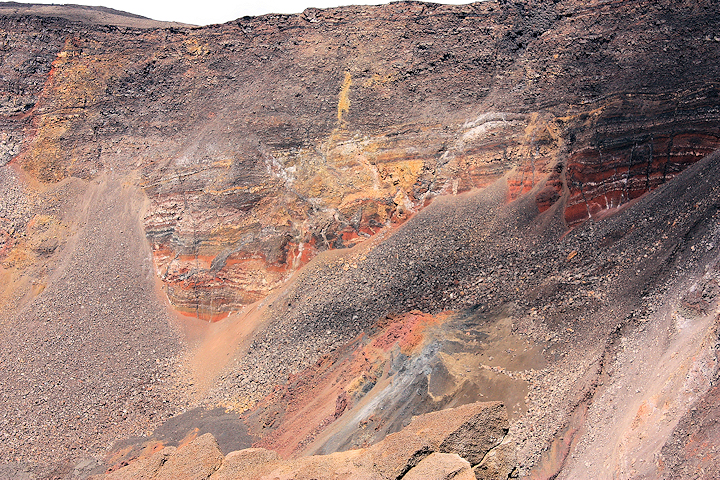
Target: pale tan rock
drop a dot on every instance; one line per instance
(482, 430)
(398, 453)
(195, 461)
(142, 468)
(498, 463)
(248, 463)
(349, 465)
(441, 466)
(438, 445)
(469, 431)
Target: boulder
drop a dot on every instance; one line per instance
(441, 466)
(439, 445)
(142, 468)
(498, 463)
(349, 465)
(469, 431)
(195, 461)
(483, 428)
(247, 463)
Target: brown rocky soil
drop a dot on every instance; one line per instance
(286, 236)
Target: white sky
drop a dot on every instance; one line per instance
(215, 11)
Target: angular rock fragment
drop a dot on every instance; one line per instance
(195, 461)
(498, 463)
(469, 431)
(482, 430)
(350, 465)
(246, 463)
(142, 468)
(441, 466)
(438, 445)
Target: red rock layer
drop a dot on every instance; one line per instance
(290, 418)
(252, 242)
(600, 179)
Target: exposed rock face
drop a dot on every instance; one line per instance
(608, 176)
(145, 467)
(197, 460)
(265, 141)
(500, 462)
(248, 463)
(469, 431)
(440, 445)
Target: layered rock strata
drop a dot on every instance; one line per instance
(264, 141)
(412, 182)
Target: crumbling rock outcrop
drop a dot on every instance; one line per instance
(249, 463)
(469, 431)
(441, 466)
(435, 446)
(197, 460)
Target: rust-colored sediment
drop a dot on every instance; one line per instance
(290, 418)
(606, 179)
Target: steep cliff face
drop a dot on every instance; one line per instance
(409, 207)
(265, 141)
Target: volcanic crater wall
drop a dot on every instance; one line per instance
(470, 153)
(264, 141)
